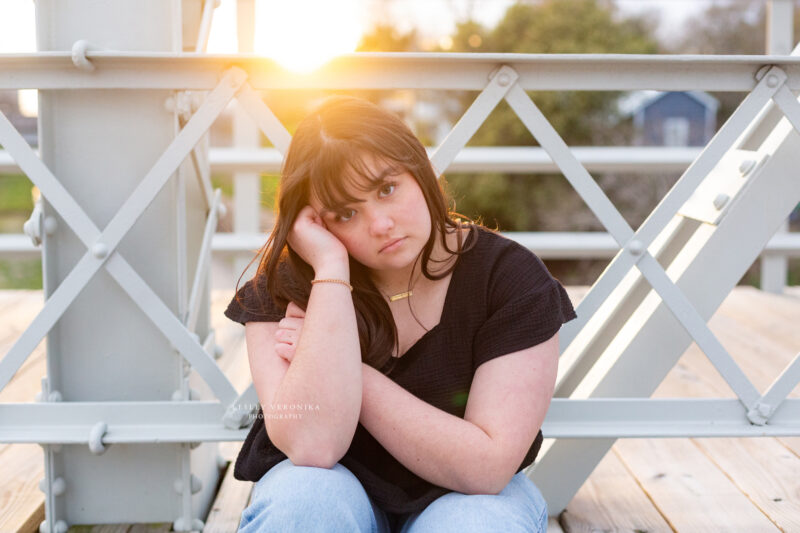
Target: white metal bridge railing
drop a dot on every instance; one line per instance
(648, 273)
(548, 245)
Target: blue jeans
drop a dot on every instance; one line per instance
(311, 499)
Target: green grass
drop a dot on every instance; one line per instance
(15, 193)
(269, 190)
(21, 274)
(269, 187)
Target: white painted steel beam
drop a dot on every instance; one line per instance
(107, 240)
(367, 70)
(505, 159)
(780, 40)
(547, 245)
(126, 422)
(100, 145)
(578, 360)
(660, 418)
(499, 84)
(154, 422)
(705, 261)
(579, 178)
(203, 264)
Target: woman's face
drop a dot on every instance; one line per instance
(388, 228)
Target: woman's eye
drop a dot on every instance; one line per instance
(388, 189)
(345, 215)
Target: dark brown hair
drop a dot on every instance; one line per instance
(326, 153)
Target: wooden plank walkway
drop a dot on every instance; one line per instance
(641, 485)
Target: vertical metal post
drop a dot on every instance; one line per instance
(100, 144)
(780, 40)
(246, 185)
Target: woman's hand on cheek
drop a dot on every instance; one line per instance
(312, 240)
(288, 333)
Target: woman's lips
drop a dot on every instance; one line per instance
(393, 245)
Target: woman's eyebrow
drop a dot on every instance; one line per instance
(378, 181)
(375, 183)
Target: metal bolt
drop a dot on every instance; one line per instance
(721, 200)
(180, 525)
(503, 80)
(96, 445)
(194, 483)
(221, 462)
(222, 210)
(772, 81)
(100, 250)
(79, 58)
(636, 247)
(746, 166)
(50, 225)
(196, 101)
(60, 527)
(59, 486)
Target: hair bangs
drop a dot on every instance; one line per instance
(343, 169)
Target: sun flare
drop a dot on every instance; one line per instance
(302, 35)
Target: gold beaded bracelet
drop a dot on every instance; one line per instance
(340, 281)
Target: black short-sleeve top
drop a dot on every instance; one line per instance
(501, 299)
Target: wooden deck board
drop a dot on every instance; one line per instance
(226, 511)
(762, 469)
(688, 489)
(765, 471)
(708, 482)
(612, 500)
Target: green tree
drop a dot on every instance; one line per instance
(739, 28)
(386, 38)
(547, 26)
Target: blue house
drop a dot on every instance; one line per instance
(673, 118)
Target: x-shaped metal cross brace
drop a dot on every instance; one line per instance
(101, 246)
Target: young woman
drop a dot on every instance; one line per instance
(404, 361)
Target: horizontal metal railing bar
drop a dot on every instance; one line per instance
(517, 160)
(153, 422)
(398, 70)
(655, 418)
(546, 244)
(158, 422)
(508, 159)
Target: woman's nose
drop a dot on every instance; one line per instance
(381, 224)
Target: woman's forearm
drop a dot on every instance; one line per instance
(439, 447)
(323, 383)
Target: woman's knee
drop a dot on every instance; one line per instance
(308, 498)
(286, 480)
(520, 506)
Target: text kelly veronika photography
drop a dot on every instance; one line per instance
(281, 410)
